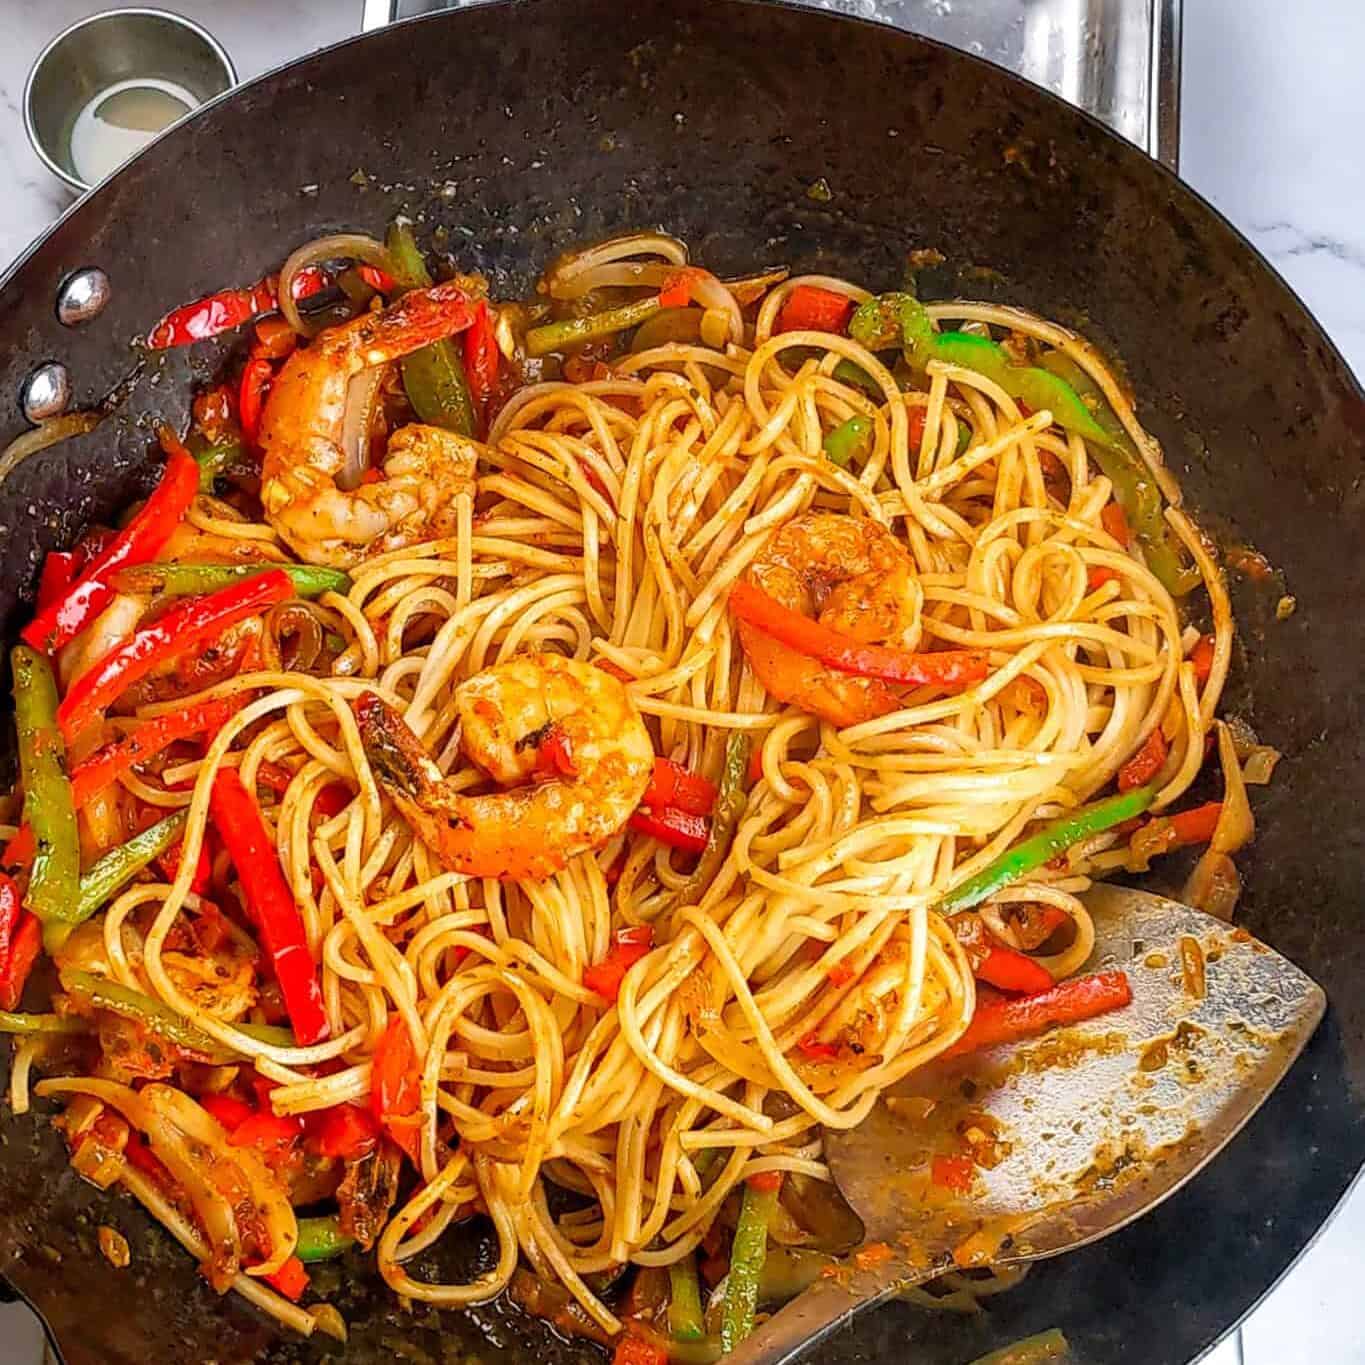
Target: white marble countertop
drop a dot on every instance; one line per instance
(1270, 134)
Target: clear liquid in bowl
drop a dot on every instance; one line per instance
(122, 120)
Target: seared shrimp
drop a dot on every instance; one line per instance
(853, 576)
(301, 438)
(564, 736)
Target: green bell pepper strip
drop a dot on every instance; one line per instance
(895, 319)
(214, 460)
(32, 1024)
(1036, 1350)
(731, 797)
(847, 440)
(190, 580)
(434, 377)
(748, 1251)
(685, 1320)
(321, 1239)
(1133, 487)
(555, 336)
(49, 806)
(846, 372)
(122, 1000)
(120, 865)
(1051, 840)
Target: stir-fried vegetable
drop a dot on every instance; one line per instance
(321, 1239)
(120, 865)
(19, 943)
(185, 627)
(941, 668)
(676, 828)
(810, 309)
(214, 460)
(482, 359)
(38, 1024)
(684, 1301)
(192, 580)
(673, 785)
(269, 903)
(434, 377)
(731, 798)
(1053, 839)
(144, 535)
(558, 336)
(747, 1254)
(396, 1090)
(629, 946)
(1008, 1019)
(228, 308)
(848, 441)
(49, 807)
(994, 962)
(100, 993)
(1035, 1350)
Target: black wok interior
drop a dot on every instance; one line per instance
(523, 127)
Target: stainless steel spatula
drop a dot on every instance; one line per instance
(1072, 1134)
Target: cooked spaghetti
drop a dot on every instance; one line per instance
(616, 752)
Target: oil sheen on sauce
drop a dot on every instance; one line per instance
(122, 120)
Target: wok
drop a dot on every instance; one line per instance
(524, 127)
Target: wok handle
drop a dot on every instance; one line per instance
(826, 1306)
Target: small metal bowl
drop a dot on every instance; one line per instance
(106, 53)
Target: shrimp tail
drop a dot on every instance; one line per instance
(402, 765)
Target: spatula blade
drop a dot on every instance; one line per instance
(1087, 1127)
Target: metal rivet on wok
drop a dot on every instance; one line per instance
(82, 296)
(47, 392)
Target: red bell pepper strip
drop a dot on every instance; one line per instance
(1195, 826)
(108, 763)
(554, 757)
(633, 1350)
(1145, 764)
(20, 943)
(765, 1180)
(668, 824)
(256, 377)
(481, 356)
(59, 573)
(1115, 520)
(952, 1173)
(377, 279)
(169, 863)
(1201, 656)
(274, 1137)
(671, 784)
(291, 1279)
(186, 627)
(631, 944)
(809, 309)
(1002, 1019)
(396, 1088)
(940, 668)
(269, 903)
(138, 542)
(813, 1048)
(230, 1112)
(676, 291)
(994, 962)
(346, 1133)
(229, 308)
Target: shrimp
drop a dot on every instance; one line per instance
(853, 576)
(564, 736)
(301, 439)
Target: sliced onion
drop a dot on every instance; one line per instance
(565, 274)
(189, 1128)
(1260, 765)
(750, 288)
(115, 624)
(711, 294)
(330, 1321)
(1236, 824)
(620, 275)
(291, 622)
(1244, 738)
(1214, 885)
(362, 396)
(45, 434)
(715, 327)
(352, 246)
